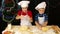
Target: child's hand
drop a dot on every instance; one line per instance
(44, 24)
(21, 17)
(40, 28)
(38, 25)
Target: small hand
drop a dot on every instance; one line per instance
(21, 17)
(40, 28)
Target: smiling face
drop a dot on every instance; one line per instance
(24, 9)
(41, 10)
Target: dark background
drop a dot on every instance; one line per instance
(52, 10)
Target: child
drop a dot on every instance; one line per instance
(41, 19)
(24, 15)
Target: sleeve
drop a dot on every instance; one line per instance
(36, 18)
(19, 13)
(30, 13)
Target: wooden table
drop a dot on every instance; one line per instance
(17, 29)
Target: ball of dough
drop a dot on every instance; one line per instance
(45, 29)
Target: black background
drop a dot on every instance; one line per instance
(52, 10)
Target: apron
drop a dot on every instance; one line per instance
(41, 20)
(25, 21)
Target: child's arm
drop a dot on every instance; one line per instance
(45, 23)
(17, 17)
(38, 25)
(30, 16)
(36, 22)
(31, 20)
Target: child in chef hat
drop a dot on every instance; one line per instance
(24, 15)
(41, 19)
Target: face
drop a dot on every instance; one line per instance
(24, 9)
(41, 10)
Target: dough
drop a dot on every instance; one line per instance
(45, 29)
(23, 28)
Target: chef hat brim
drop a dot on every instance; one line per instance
(22, 2)
(41, 5)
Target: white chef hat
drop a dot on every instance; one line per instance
(40, 5)
(24, 3)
